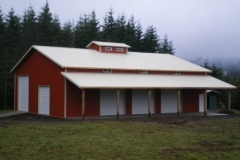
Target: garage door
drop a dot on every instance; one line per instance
(44, 100)
(168, 101)
(140, 102)
(23, 93)
(108, 102)
(201, 103)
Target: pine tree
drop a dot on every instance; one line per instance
(11, 54)
(166, 46)
(108, 28)
(150, 40)
(2, 60)
(67, 35)
(120, 32)
(56, 31)
(45, 27)
(29, 29)
(86, 30)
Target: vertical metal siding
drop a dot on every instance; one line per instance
(169, 101)
(44, 100)
(23, 93)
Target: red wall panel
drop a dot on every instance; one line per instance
(95, 47)
(190, 100)
(128, 102)
(92, 102)
(74, 100)
(43, 71)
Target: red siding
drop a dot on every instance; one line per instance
(94, 47)
(128, 102)
(190, 100)
(157, 101)
(43, 71)
(74, 100)
(92, 102)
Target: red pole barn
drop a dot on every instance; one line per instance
(107, 79)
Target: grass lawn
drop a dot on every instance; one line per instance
(178, 138)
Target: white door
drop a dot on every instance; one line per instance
(140, 102)
(108, 102)
(168, 101)
(23, 93)
(201, 103)
(44, 100)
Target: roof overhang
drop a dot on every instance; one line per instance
(144, 81)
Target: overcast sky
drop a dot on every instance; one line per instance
(198, 28)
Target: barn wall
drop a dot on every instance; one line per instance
(190, 100)
(42, 71)
(95, 47)
(74, 100)
(128, 101)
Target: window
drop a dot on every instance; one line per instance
(143, 72)
(108, 48)
(107, 71)
(176, 72)
(119, 49)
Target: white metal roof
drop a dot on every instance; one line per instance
(109, 44)
(110, 80)
(86, 58)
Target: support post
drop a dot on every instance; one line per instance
(118, 97)
(149, 103)
(229, 99)
(205, 103)
(83, 104)
(178, 102)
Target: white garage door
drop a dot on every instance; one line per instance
(201, 103)
(168, 101)
(140, 102)
(108, 102)
(23, 93)
(43, 100)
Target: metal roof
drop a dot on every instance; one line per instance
(86, 58)
(141, 81)
(109, 44)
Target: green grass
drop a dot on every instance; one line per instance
(211, 138)
(5, 111)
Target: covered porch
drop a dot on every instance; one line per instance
(119, 84)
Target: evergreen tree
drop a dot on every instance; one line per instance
(45, 27)
(120, 32)
(67, 35)
(108, 28)
(86, 30)
(29, 29)
(56, 31)
(166, 46)
(2, 60)
(11, 54)
(150, 40)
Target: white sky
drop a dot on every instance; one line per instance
(198, 28)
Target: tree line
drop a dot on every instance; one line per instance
(19, 33)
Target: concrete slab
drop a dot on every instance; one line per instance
(9, 114)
